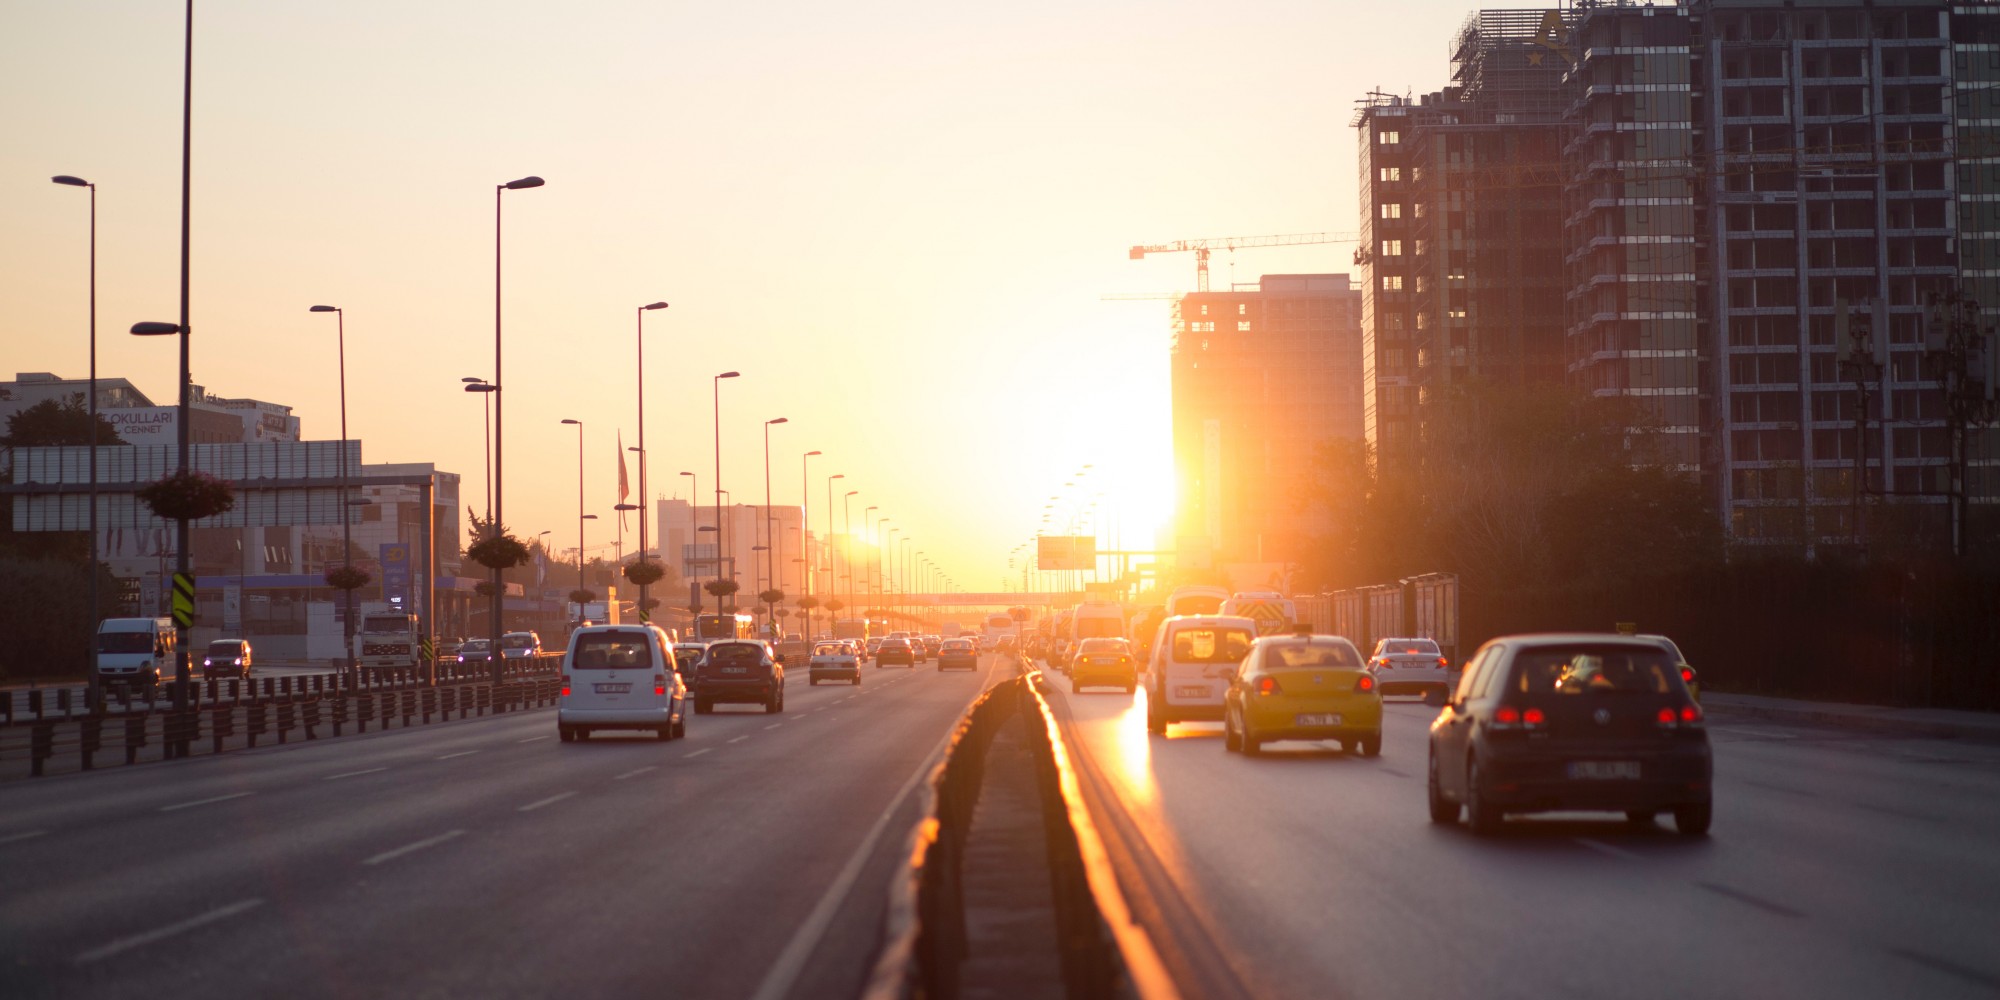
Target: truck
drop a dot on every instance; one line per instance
(594, 612)
(385, 638)
(851, 628)
(1272, 611)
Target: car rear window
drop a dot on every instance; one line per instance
(611, 651)
(1106, 646)
(1589, 670)
(1211, 645)
(957, 645)
(1299, 654)
(1409, 647)
(734, 654)
(829, 649)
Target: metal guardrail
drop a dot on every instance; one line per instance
(229, 715)
(1104, 952)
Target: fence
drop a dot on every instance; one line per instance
(70, 729)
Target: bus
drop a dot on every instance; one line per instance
(715, 628)
(851, 628)
(1000, 623)
(1097, 620)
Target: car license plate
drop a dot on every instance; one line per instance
(1316, 719)
(735, 670)
(1617, 770)
(612, 688)
(1187, 691)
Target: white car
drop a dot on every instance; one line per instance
(1410, 666)
(1187, 676)
(621, 677)
(833, 661)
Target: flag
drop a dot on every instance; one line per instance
(624, 484)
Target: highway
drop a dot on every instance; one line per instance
(484, 858)
(1841, 865)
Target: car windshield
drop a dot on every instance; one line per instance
(225, 648)
(611, 651)
(516, 642)
(1582, 670)
(476, 646)
(1211, 645)
(1317, 654)
(898, 643)
(385, 623)
(124, 642)
(959, 645)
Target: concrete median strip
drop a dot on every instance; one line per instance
(123, 945)
(204, 802)
(551, 800)
(413, 848)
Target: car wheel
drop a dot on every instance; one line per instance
(857, 680)
(703, 708)
(1371, 746)
(1253, 746)
(1484, 817)
(1231, 743)
(1640, 817)
(1443, 810)
(664, 733)
(771, 705)
(1693, 820)
(1156, 723)
(812, 682)
(565, 734)
(582, 733)
(681, 728)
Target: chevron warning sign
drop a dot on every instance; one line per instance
(183, 600)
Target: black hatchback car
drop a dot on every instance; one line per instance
(740, 672)
(896, 651)
(1585, 721)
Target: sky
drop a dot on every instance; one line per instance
(899, 221)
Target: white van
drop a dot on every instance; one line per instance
(1184, 677)
(621, 677)
(135, 651)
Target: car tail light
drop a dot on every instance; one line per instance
(1365, 683)
(1534, 718)
(1667, 718)
(659, 683)
(1506, 717)
(565, 686)
(1691, 717)
(1443, 664)
(1268, 686)
(1687, 674)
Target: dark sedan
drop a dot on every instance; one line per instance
(896, 651)
(954, 654)
(1545, 723)
(740, 672)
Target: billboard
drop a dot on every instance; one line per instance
(1060, 552)
(396, 573)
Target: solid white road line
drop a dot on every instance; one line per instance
(410, 848)
(636, 771)
(352, 774)
(1610, 851)
(785, 971)
(15, 838)
(551, 800)
(461, 753)
(532, 739)
(203, 802)
(161, 933)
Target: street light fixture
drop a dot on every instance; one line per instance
(580, 515)
(715, 389)
(644, 497)
(346, 530)
(770, 543)
(92, 612)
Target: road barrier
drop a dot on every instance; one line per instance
(64, 727)
(1103, 952)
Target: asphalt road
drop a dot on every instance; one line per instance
(1841, 864)
(483, 858)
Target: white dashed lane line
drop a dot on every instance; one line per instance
(123, 945)
(15, 838)
(203, 802)
(635, 772)
(353, 774)
(461, 753)
(1609, 851)
(413, 848)
(697, 753)
(772, 726)
(551, 800)
(532, 739)
(739, 739)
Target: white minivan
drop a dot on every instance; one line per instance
(1185, 677)
(135, 651)
(621, 677)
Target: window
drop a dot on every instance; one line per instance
(1242, 308)
(1313, 654)
(1392, 282)
(611, 651)
(1392, 248)
(1204, 309)
(1204, 327)
(1389, 138)
(1390, 175)
(1392, 210)
(1573, 670)
(1242, 326)
(1211, 645)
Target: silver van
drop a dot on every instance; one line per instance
(621, 677)
(135, 651)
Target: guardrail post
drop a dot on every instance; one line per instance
(311, 721)
(62, 702)
(41, 746)
(135, 736)
(286, 719)
(339, 712)
(429, 704)
(219, 727)
(35, 705)
(254, 726)
(214, 687)
(92, 737)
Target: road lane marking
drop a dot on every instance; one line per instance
(352, 774)
(739, 739)
(551, 800)
(1609, 851)
(532, 739)
(411, 848)
(123, 945)
(461, 753)
(785, 971)
(1747, 899)
(15, 838)
(636, 771)
(772, 726)
(204, 802)
(697, 753)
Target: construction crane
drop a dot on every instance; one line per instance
(1202, 248)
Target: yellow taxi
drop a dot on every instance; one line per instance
(1302, 687)
(1104, 662)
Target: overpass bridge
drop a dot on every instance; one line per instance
(1000, 599)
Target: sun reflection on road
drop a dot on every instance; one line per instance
(1133, 748)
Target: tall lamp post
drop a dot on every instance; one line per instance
(847, 540)
(499, 411)
(715, 387)
(882, 534)
(487, 453)
(346, 529)
(770, 543)
(182, 667)
(645, 499)
(580, 515)
(868, 567)
(90, 613)
(805, 524)
(694, 518)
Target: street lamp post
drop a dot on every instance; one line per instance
(805, 523)
(645, 499)
(182, 666)
(346, 530)
(694, 518)
(499, 413)
(580, 515)
(770, 543)
(868, 567)
(90, 613)
(881, 553)
(715, 387)
(847, 540)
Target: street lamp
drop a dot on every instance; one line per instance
(715, 388)
(182, 665)
(694, 517)
(499, 411)
(770, 543)
(485, 388)
(90, 615)
(868, 568)
(805, 522)
(847, 540)
(580, 515)
(346, 531)
(645, 499)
